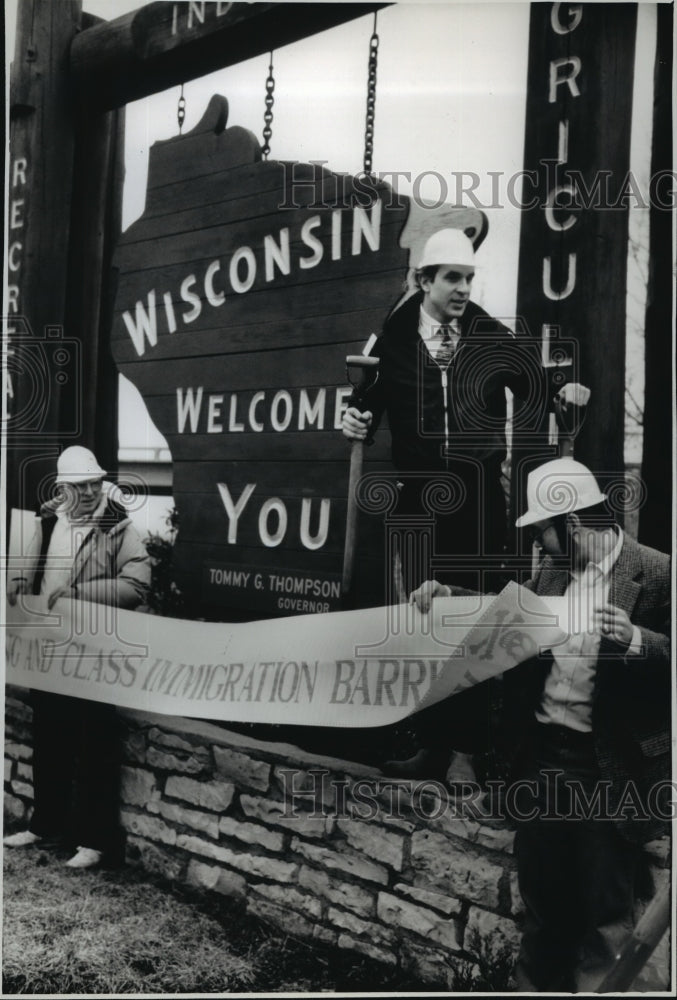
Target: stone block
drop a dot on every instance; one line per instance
(516, 901)
(152, 858)
(18, 751)
(365, 948)
(286, 895)
(25, 772)
(23, 789)
(436, 861)
(252, 864)
(136, 786)
(18, 732)
(220, 880)
(214, 795)
(16, 709)
(344, 894)
(412, 917)
(459, 822)
(134, 747)
(429, 964)
(8, 770)
(501, 932)
(173, 741)
(325, 936)
(274, 812)
(13, 808)
(251, 833)
(244, 771)
(395, 822)
(286, 920)
(147, 826)
(358, 867)
(375, 841)
(496, 839)
(170, 762)
(201, 821)
(437, 900)
(356, 925)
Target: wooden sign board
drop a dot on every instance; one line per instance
(577, 189)
(240, 292)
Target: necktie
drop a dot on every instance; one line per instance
(445, 350)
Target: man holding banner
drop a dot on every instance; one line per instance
(85, 548)
(445, 365)
(587, 727)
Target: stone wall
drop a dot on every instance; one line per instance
(325, 849)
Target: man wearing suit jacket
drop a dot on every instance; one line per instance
(587, 726)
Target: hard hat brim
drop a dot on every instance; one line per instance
(532, 517)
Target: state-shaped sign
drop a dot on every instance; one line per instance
(241, 290)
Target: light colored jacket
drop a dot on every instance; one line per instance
(111, 565)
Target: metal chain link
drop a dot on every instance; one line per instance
(268, 113)
(181, 110)
(371, 101)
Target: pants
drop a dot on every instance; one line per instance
(76, 772)
(458, 537)
(467, 548)
(577, 874)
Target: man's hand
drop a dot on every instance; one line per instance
(424, 595)
(68, 592)
(573, 394)
(570, 403)
(355, 425)
(14, 588)
(614, 625)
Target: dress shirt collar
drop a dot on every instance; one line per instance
(606, 564)
(429, 327)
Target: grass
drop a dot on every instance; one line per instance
(122, 931)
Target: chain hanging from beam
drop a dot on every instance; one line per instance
(371, 101)
(181, 110)
(268, 113)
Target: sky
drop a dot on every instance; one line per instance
(451, 88)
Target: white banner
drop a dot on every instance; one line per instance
(371, 667)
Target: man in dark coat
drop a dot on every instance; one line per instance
(587, 725)
(445, 365)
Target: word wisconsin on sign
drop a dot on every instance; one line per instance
(241, 290)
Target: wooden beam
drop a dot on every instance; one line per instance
(44, 360)
(655, 517)
(165, 44)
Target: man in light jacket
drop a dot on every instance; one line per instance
(84, 548)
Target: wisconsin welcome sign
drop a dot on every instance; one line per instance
(241, 290)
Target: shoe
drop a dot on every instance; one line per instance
(24, 838)
(460, 777)
(426, 763)
(85, 857)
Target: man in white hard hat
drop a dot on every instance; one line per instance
(587, 728)
(444, 367)
(84, 548)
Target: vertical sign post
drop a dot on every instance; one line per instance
(43, 363)
(576, 192)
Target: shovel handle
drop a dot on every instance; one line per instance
(356, 456)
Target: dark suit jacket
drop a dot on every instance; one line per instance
(631, 697)
(410, 389)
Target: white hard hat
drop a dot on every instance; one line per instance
(77, 465)
(559, 487)
(448, 246)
